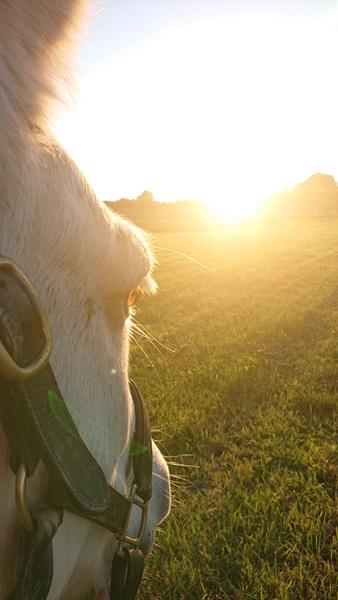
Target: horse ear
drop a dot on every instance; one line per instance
(35, 39)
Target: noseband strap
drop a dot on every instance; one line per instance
(141, 446)
(39, 427)
(126, 574)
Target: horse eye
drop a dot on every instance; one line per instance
(132, 298)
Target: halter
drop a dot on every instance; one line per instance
(39, 427)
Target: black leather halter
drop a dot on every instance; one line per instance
(39, 427)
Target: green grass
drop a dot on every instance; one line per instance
(248, 401)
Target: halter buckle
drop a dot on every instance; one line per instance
(123, 537)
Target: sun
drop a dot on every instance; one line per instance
(235, 206)
(219, 111)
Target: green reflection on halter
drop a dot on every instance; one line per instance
(61, 413)
(137, 448)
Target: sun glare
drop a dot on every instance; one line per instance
(221, 111)
(239, 204)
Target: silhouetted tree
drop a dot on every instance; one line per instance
(145, 197)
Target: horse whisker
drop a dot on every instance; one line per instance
(146, 355)
(141, 334)
(145, 330)
(185, 256)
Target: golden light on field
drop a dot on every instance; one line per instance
(222, 111)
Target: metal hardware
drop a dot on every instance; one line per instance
(9, 369)
(21, 498)
(123, 538)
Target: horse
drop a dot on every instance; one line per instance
(86, 265)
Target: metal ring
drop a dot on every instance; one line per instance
(24, 514)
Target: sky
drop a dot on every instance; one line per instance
(211, 100)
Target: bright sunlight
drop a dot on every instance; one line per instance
(222, 111)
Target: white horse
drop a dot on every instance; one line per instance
(83, 262)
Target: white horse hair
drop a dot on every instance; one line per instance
(83, 262)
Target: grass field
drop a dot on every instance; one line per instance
(248, 402)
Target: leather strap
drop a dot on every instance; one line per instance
(32, 423)
(49, 434)
(126, 574)
(36, 419)
(113, 518)
(36, 571)
(34, 415)
(141, 446)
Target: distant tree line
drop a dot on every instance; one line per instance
(317, 196)
(162, 216)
